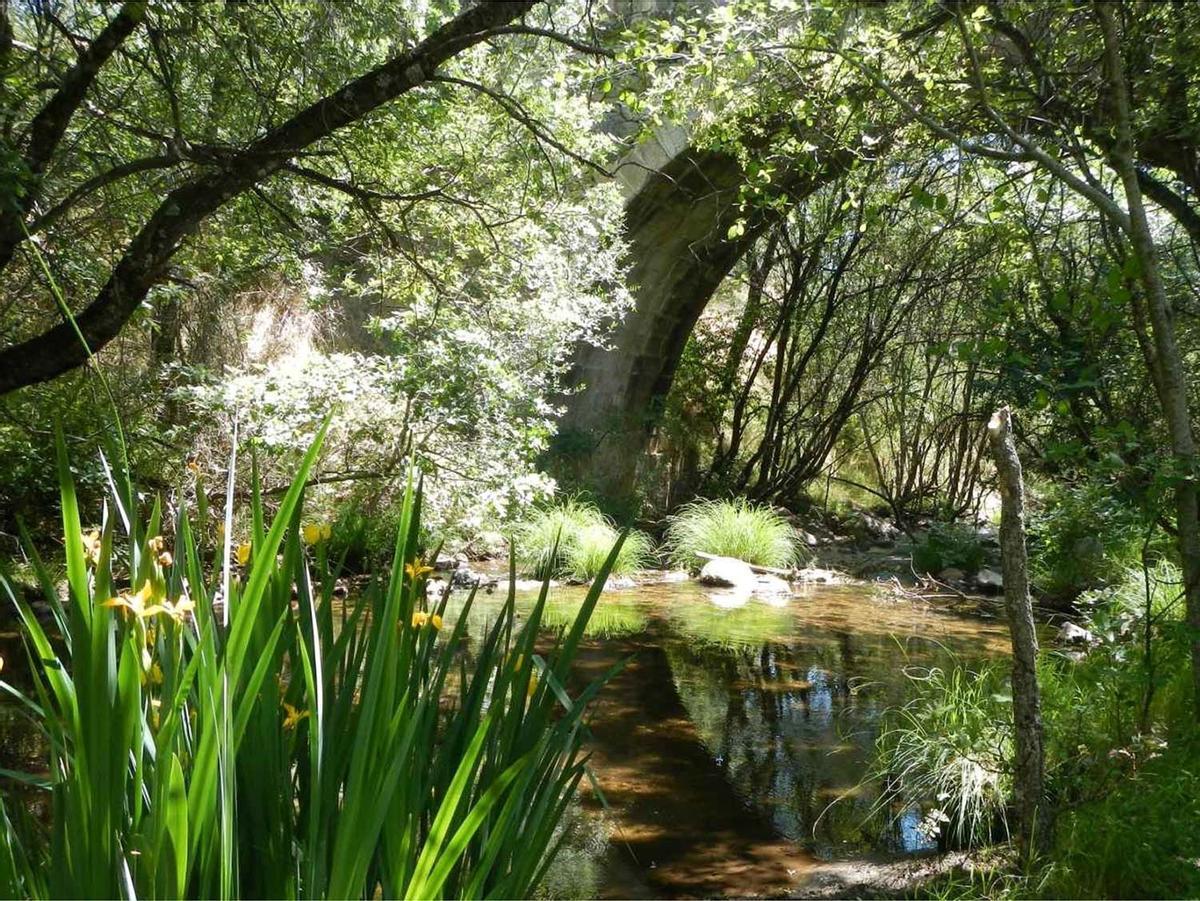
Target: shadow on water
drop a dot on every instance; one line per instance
(732, 748)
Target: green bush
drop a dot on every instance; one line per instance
(1140, 836)
(573, 540)
(948, 545)
(731, 528)
(279, 748)
(1122, 755)
(1080, 538)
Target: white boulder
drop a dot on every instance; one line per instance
(727, 572)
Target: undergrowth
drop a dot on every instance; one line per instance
(1122, 756)
(266, 745)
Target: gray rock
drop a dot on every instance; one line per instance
(809, 538)
(674, 575)
(1069, 633)
(726, 572)
(951, 574)
(463, 577)
(990, 580)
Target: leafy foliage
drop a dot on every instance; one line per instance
(948, 545)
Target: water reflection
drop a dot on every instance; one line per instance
(766, 712)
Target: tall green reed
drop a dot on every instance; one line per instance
(282, 748)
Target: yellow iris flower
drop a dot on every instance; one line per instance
(91, 546)
(416, 570)
(419, 618)
(292, 716)
(243, 553)
(138, 604)
(316, 532)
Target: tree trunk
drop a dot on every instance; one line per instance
(1171, 382)
(1029, 767)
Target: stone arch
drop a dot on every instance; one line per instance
(677, 221)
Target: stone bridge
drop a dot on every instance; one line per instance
(681, 202)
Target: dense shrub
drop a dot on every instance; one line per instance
(948, 545)
(1082, 538)
(1140, 836)
(731, 528)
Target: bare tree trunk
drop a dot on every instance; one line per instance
(1029, 768)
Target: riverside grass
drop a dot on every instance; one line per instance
(730, 528)
(573, 539)
(283, 754)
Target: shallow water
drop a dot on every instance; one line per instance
(732, 749)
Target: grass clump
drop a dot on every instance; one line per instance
(573, 540)
(947, 752)
(731, 528)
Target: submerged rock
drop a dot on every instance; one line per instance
(813, 574)
(674, 575)
(771, 585)
(532, 584)
(727, 572)
(619, 583)
(734, 597)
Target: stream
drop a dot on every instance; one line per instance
(732, 750)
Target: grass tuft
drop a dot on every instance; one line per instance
(947, 753)
(731, 528)
(573, 540)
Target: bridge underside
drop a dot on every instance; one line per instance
(676, 225)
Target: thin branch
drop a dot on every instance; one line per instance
(581, 46)
(513, 108)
